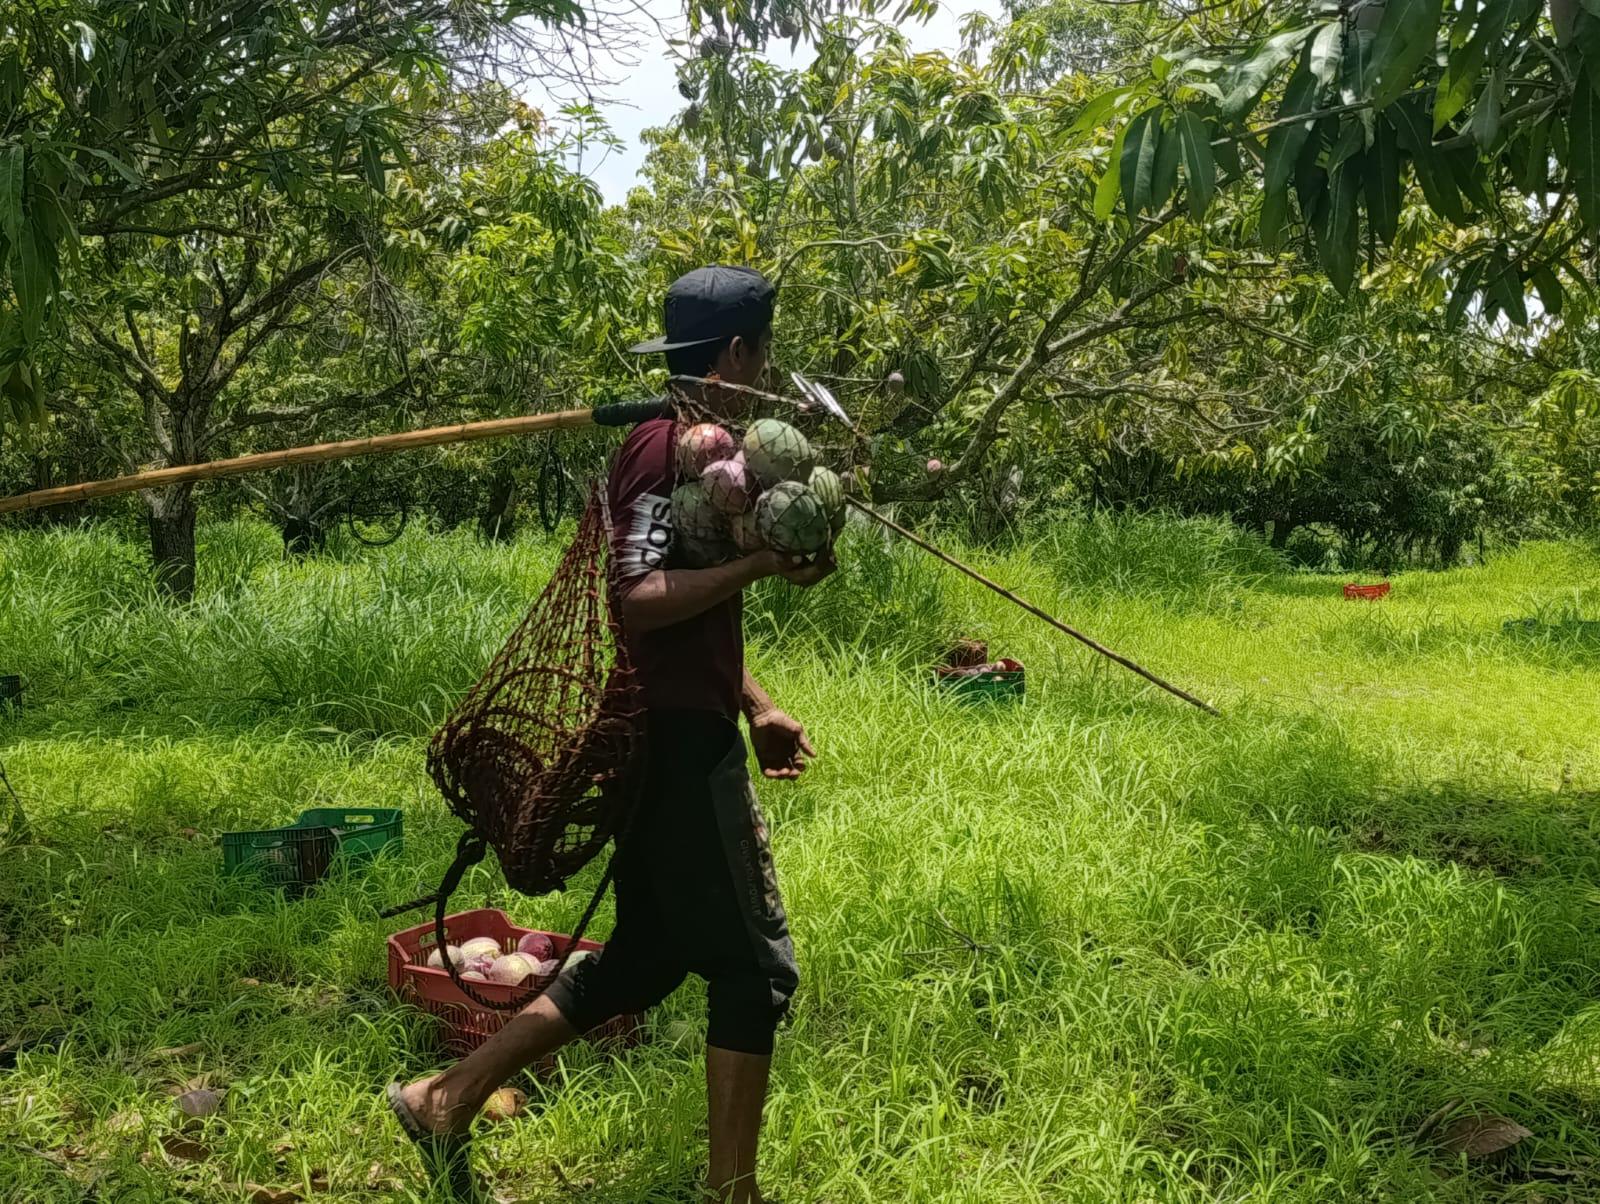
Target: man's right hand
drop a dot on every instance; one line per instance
(797, 570)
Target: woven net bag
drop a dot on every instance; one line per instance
(535, 760)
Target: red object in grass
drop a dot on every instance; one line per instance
(466, 1025)
(1370, 592)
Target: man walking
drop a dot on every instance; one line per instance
(695, 859)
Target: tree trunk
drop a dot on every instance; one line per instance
(499, 521)
(303, 536)
(1450, 549)
(172, 513)
(1281, 530)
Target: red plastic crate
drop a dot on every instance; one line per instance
(1370, 592)
(466, 1024)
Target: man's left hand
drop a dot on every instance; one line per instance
(780, 743)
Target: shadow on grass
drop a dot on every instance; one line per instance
(1513, 836)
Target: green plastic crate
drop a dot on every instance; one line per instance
(299, 856)
(1007, 684)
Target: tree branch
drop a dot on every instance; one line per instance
(283, 291)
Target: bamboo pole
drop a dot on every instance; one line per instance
(1032, 609)
(621, 414)
(375, 445)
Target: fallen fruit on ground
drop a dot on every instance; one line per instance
(504, 1104)
(200, 1103)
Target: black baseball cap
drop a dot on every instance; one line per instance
(713, 303)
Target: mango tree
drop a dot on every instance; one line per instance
(1331, 110)
(952, 253)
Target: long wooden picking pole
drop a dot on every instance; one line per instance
(620, 414)
(498, 428)
(1032, 609)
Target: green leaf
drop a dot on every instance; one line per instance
(32, 280)
(1199, 166)
(12, 169)
(336, 150)
(1414, 131)
(1583, 148)
(1274, 212)
(1110, 187)
(1486, 117)
(1283, 151)
(1466, 168)
(1354, 70)
(1535, 172)
(153, 113)
(1461, 295)
(1382, 182)
(1139, 160)
(1352, 140)
(1227, 158)
(1096, 110)
(1337, 231)
(129, 173)
(372, 161)
(1405, 38)
(1326, 52)
(1242, 84)
(1466, 64)
(1551, 294)
(1506, 288)
(1165, 181)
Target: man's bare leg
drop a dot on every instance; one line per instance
(736, 1089)
(447, 1102)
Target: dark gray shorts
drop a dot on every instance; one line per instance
(696, 894)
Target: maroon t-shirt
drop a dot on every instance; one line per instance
(697, 664)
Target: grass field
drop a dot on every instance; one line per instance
(1101, 947)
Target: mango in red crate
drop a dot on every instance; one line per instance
(537, 946)
(480, 947)
(436, 959)
(512, 969)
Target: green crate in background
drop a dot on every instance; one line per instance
(300, 855)
(998, 685)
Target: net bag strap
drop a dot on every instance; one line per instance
(470, 850)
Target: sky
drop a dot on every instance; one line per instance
(647, 90)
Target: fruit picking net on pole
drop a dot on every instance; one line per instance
(740, 487)
(535, 759)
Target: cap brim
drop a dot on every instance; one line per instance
(664, 344)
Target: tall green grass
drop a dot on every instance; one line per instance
(1096, 947)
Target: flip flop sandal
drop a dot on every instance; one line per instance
(444, 1155)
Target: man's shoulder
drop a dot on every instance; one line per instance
(644, 461)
